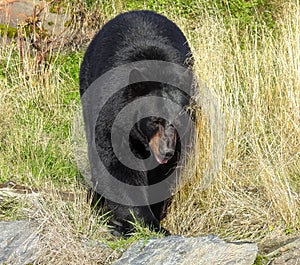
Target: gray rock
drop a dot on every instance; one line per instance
(179, 250)
(288, 254)
(18, 243)
(17, 11)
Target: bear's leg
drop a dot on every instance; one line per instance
(123, 216)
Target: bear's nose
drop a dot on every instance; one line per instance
(169, 154)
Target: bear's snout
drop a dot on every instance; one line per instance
(163, 144)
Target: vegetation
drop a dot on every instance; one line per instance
(247, 52)
(7, 30)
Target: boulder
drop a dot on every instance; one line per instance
(18, 242)
(174, 250)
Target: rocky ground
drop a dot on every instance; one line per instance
(20, 242)
(20, 245)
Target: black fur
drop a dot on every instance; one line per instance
(130, 37)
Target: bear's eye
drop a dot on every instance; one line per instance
(155, 125)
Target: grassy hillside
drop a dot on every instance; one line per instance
(248, 55)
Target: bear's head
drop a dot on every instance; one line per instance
(156, 136)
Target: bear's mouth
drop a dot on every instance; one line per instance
(161, 160)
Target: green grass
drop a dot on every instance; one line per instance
(37, 129)
(8, 31)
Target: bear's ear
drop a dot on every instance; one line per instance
(138, 84)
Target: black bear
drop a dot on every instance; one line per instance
(130, 38)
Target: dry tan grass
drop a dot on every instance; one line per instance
(258, 88)
(69, 230)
